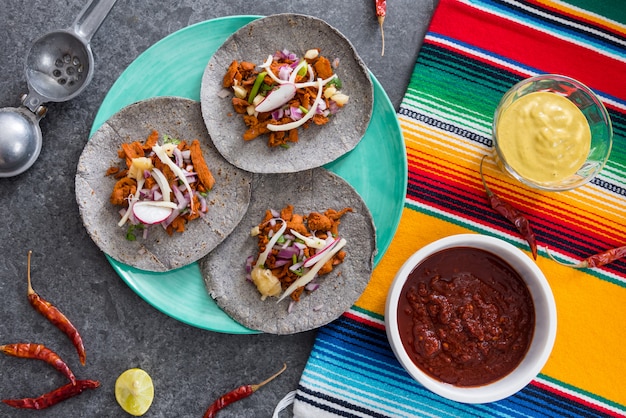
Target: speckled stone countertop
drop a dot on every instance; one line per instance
(190, 367)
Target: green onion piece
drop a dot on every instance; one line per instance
(304, 109)
(303, 70)
(256, 86)
(169, 140)
(294, 259)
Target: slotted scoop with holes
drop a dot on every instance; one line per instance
(59, 66)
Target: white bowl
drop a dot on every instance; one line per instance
(544, 331)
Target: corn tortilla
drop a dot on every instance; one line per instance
(179, 118)
(312, 190)
(317, 145)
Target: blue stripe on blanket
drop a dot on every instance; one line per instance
(352, 373)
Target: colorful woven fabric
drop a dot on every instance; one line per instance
(473, 52)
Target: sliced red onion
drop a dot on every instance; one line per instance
(288, 253)
(311, 274)
(295, 113)
(171, 218)
(281, 262)
(284, 72)
(309, 115)
(275, 213)
(312, 287)
(321, 107)
(297, 266)
(291, 305)
(333, 107)
(318, 307)
(178, 157)
(319, 254)
(186, 154)
(203, 203)
(146, 174)
(278, 114)
(178, 195)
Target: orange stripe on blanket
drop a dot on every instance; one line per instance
(583, 15)
(590, 331)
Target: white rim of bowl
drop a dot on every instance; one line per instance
(541, 294)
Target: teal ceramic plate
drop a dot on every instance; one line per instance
(376, 168)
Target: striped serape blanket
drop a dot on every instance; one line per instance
(473, 52)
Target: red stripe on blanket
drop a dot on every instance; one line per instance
(576, 399)
(364, 320)
(449, 191)
(526, 45)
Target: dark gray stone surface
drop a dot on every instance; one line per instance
(190, 367)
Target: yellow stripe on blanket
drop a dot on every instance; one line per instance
(591, 334)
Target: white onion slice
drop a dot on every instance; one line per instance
(140, 182)
(294, 73)
(312, 242)
(161, 180)
(160, 152)
(310, 275)
(270, 245)
(293, 125)
(318, 255)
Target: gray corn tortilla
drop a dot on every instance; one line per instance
(312, 190)
(180, 118)
(317, 145)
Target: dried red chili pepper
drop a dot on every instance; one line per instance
(56, 317)
(38, 352)
(512, 214)
(54, 397)
(381, 12)
(237, 394)
(599, 259)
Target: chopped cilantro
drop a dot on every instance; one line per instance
(335, 82)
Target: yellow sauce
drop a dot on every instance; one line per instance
(544, 137)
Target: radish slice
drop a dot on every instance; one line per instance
(318, 255)
(277, 98)
(149, 212)
(309, 115)
(310, 275)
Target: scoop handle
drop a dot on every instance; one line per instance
(91, 17)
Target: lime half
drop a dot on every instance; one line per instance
(134, 391)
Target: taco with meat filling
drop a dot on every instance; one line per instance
(318, 142)
(226, 269)
(120, 210)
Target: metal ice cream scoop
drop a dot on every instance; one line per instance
(59, 66)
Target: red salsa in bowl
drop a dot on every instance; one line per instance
(471, 317)
(465, 316)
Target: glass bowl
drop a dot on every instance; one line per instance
(538, 139)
